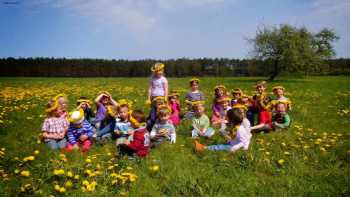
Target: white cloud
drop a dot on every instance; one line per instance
(139, 17)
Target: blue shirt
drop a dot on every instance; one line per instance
(74, 132)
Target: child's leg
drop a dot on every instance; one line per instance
(237, 146)
(226, 147)
(195, 133)
(52, 144)
(69, 147)
(86, 145)
(209, 132)
(105, 130)
(62, 143)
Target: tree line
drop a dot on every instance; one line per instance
(62, 67)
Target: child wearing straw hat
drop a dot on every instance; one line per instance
(152, 117)
(54, 128)
(158, 85)
(174, 105)
(163, 129)
(193, 95)
(140, 144)
(236, 95)
(220, 92)
(279, 93)
(85, 104)
(200, 121)
(238, 138)
(79, 132)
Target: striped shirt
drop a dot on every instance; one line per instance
(74, 132)
(54, 127)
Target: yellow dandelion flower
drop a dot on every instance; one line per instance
(88, 160)
(62, 190)
(16, 171)
(280, 162)
(70, 174)
(322, 149)
(58, 172)
(267, 153)
(29, 158)
(36, 152)
(286, 153)
(69, 184)
(76, 177)
(25, 173)
(154, 168)
(129, 168)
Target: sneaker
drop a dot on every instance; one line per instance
(198, 146)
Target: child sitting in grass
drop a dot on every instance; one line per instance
(152, 118)
(220, 92)
(103, 100)
(60, 102)
(174, 105)
(163, 129)
(54, 128)
(107, 125)
(280, 119)
(279, 93)
(79, 132)
(139, 146)
(224, 106)
(85, 104)
(236, 95)
(193, 95)
(200, 122)
(238, 138)
(123, 126)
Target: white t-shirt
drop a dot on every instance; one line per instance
(158, 86)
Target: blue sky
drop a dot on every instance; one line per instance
(160, 29)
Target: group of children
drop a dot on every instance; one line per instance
(134, 134)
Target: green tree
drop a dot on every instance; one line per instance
(291, 49)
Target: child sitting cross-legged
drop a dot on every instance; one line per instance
(79, 132)
(123, 128)
(54, 128)
(200, 121)
(163, 129)
(238, 138)
(140, 143)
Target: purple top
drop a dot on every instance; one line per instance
(101, 112)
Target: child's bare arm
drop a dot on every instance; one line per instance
(98, 98)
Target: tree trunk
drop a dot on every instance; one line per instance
(275, 71)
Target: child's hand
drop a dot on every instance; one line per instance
(83, 137)
(117, 132)
(148, 102)
(130, 132)
(126, 142)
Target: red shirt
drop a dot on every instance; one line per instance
(140, 143)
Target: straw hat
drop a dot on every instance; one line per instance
(223, 99)
(76, 117)
(220, 87)
(194, 80)
(174, 93)
(236, 91)
(157, 67)
(277, 87)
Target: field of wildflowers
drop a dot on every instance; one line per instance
(312, 158)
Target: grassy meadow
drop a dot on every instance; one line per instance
(312, 158)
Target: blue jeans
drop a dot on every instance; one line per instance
(226, 147)
(106, 131)
(56, 144)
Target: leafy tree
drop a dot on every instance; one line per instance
(291, 49)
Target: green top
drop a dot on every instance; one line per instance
(285, 121)
(200, 123)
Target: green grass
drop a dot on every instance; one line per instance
(320, 110)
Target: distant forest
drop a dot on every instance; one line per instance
(62, 67)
